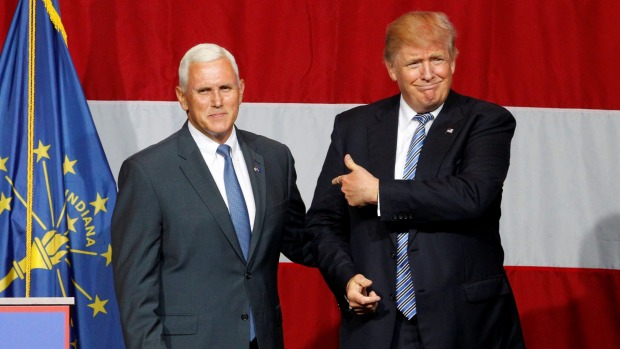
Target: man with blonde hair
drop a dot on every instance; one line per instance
(405, 215)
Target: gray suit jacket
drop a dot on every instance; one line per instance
(180, 276)
(463, 296)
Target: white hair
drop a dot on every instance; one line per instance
(204, 53)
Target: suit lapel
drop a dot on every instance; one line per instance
(382, 134)
(441, 135)
(198, 174)
(255, 164)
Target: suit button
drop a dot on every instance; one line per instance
(394, 216)
(400, 216)
(392, 297)
(248, 275)
(244, 317)
(411, 216)
(393, 255)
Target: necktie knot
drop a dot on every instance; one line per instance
(423, 118)
(224, 150)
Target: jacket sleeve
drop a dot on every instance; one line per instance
(327, 221)
(296, 243)
(136, 242)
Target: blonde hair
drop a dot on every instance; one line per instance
(419, 28)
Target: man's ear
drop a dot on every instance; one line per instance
(390, 69)
(241, 89)
(181, 98)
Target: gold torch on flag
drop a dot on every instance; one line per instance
(57, 193)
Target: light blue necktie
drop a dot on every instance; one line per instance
(237, 209)
(405, 292)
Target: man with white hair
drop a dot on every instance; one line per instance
(200, 221)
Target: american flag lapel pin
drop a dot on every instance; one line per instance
(450, 130)
(257, 168)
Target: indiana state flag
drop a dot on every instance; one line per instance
(57, 193)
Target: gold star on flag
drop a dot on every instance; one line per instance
(41, 151)
(67, 166)
(5, 203)
(98, 306)
(108, 255)
(3, 164)
(71, 223)
(99, 204)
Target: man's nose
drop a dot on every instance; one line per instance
(426, 70)
(216, 98)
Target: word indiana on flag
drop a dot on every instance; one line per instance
(57, 192)
(552, 63)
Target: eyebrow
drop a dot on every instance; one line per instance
(210, 88)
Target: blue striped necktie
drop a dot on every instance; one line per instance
(238, 210)
(405, 292)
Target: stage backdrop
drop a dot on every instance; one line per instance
(553, 63)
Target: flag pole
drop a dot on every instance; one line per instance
(30, 152)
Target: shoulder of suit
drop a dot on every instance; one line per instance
(461, 107)
(474, 104)
(257, 141)
(169, 144)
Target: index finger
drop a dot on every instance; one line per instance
(336, 181)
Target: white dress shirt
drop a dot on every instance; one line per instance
(215, 162)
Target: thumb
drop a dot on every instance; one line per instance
(374, 295)
(351, 165)
(362, 280)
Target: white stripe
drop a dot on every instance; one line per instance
(561, 203)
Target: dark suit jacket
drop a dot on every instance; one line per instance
(180, 275)
(453, 206)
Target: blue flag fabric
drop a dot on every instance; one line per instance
(51, 159)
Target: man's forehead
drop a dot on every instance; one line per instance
(408, 52)
(205, 74)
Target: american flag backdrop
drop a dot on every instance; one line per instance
(553, 63)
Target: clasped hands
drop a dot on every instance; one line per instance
(359, 187)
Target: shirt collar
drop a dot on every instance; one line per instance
(406, 114)
(208, 147)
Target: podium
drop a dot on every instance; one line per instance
(35, 322)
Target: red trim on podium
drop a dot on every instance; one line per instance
(27, 323)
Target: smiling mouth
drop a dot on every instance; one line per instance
(428, 87)
(218, 115)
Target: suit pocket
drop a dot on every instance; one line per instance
(486, 289)
(182, 324)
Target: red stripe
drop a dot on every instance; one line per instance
(559, 307)
(309, 310)
(568, 307)
(550, 53)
